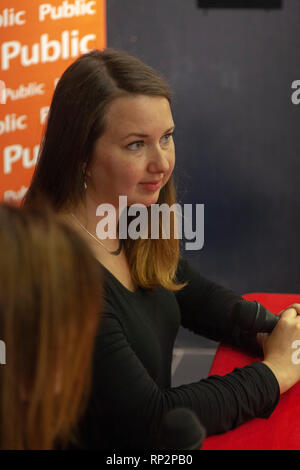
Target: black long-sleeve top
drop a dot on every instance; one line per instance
(131, 390)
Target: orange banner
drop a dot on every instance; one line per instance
(37, 43)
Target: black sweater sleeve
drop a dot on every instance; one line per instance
(206, 310)
(130, 402)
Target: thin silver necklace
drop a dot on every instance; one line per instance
(115, 253)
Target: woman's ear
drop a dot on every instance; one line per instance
(84, 165)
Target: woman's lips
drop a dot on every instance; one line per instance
(152, 186)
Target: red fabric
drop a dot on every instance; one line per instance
(281, 431)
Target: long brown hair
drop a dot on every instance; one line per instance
(50, 301)
(77, 118)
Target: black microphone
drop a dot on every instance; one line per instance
(182, 430)
(253, 317)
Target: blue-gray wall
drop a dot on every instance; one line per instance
(237, 130)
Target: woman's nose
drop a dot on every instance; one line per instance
(160, 161)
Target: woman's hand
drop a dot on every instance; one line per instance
(278, 348)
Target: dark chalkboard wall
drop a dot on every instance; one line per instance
(237, 130)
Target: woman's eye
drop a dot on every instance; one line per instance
(167, 137)
(139, 143)
(135, 145)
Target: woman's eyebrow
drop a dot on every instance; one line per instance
(134, 134)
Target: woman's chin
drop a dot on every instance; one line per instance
(145, 201)
(154, 200)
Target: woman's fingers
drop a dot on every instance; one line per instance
(289, 313)
(295, 306)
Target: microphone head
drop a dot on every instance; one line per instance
(253, 317)
(181, 429)
(244, 314)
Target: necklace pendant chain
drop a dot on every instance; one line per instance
(115, 253)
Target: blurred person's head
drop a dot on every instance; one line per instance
(50, 301)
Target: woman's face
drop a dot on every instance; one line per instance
(135, 156)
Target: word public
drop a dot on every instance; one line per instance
(67, 10)
(47, 50)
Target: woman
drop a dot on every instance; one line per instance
(50, 300)
(109, 134)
